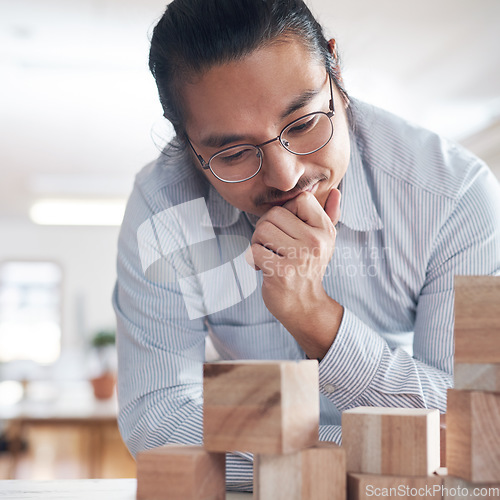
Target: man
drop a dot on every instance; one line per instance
(356, 221)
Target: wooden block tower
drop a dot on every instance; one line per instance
(269, 408)
(391, 450)
(473, 414)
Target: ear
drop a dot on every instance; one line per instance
(332, 48)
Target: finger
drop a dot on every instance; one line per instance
(287, 222)
(271, 236)
(306, 207)
(265, 260)
(278, 215)
(332, 206)
(250, 260)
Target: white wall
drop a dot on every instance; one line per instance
(88, 258)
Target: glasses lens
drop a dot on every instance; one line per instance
(307, 134)
(236, 164)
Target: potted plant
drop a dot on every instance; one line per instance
(103, 344)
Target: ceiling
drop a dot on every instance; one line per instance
(78, 108)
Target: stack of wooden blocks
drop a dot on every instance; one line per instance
(395, 452)
(392, 452)
(271, 409)
(268, 408)
(473, 413)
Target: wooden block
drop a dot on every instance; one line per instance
(477, 319)
(364, 486)
(391, 441)
(317, 473)
(455, 488)
(477, 377)
(473, 435)
(261, 406)
(181, 472)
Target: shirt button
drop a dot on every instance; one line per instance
(329, 388)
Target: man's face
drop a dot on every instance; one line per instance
(250, 101)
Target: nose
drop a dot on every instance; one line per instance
(280, 168)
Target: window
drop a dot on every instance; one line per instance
(30, 311)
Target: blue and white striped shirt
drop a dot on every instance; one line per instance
(415, 211)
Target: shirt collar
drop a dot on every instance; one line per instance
(357, 209)
(222, 213)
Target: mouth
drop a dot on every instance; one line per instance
(311, 189)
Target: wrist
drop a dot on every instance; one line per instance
(317, 326)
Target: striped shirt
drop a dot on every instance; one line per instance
(416, 210)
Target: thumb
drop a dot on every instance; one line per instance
(332, 206)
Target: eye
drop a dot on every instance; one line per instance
(303, 125)
(234, 156)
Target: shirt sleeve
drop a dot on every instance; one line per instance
(160, 351)
(360, 369)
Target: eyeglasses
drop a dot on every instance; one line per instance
(303, 136)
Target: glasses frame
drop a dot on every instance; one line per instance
(330, 114)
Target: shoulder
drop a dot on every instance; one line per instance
(169, 180)
(394, 148)
(164, 183)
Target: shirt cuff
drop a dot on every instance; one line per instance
(351, 363)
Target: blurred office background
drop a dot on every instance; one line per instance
(79, 116)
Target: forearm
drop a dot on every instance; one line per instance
(155, 422)
(157, 427)
(315, 328)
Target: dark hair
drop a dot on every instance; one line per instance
(194, 35)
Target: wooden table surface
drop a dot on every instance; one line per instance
(91, 425)
(80, 489)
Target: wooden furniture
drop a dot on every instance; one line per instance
(71, 435)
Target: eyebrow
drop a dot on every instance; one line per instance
(222, 140)
(301, 101)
